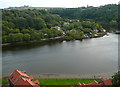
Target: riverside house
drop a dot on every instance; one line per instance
(21, 79)
(103, 83)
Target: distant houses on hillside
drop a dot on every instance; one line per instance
(27, 7)
(58, 28)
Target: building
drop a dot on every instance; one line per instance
(21, 79)
(103, 83)
(58, 28)
(95, 30)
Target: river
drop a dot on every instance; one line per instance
(89, 56)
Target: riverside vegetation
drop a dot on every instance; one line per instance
(20, 26)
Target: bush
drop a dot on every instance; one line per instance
(116, 79)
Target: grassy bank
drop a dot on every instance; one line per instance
(63, 81)
(58, 81)
(4, 81)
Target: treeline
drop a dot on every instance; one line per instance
(27, 35)
(106, 15)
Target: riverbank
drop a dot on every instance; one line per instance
(30, 42)
(68, 75)
(85, 36)
(60, 38)
(85, 76)
(27, 45)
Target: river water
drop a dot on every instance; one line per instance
(96, 55)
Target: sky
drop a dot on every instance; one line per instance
(55, 3)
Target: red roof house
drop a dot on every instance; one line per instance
(106, 81)
(21, 79)
(103, 83)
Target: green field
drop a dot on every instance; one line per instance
(62, 81)
(0, 81)
(4, 81)
(58, 81)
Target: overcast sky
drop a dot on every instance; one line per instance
(55, 3)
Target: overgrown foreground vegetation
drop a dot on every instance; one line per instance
(116, 79)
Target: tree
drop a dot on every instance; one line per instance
(47, 33)
(6, 25)
(103, 14)
(116, 79)
(25, 31)
(20, 22)
(37, 35)
(26, 37)
(5, 39)
(13, 38)
(10, 31)
(16, 31)
(55, 32)
(39, 24)
(72, 33)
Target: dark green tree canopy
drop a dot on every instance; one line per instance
(105, 15)
(116, 79)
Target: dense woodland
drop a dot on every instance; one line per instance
(28, 25)
(76, 23)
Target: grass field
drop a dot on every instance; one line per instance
(0, 81)
(4, 81)
(58, 81)
(63, 81)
